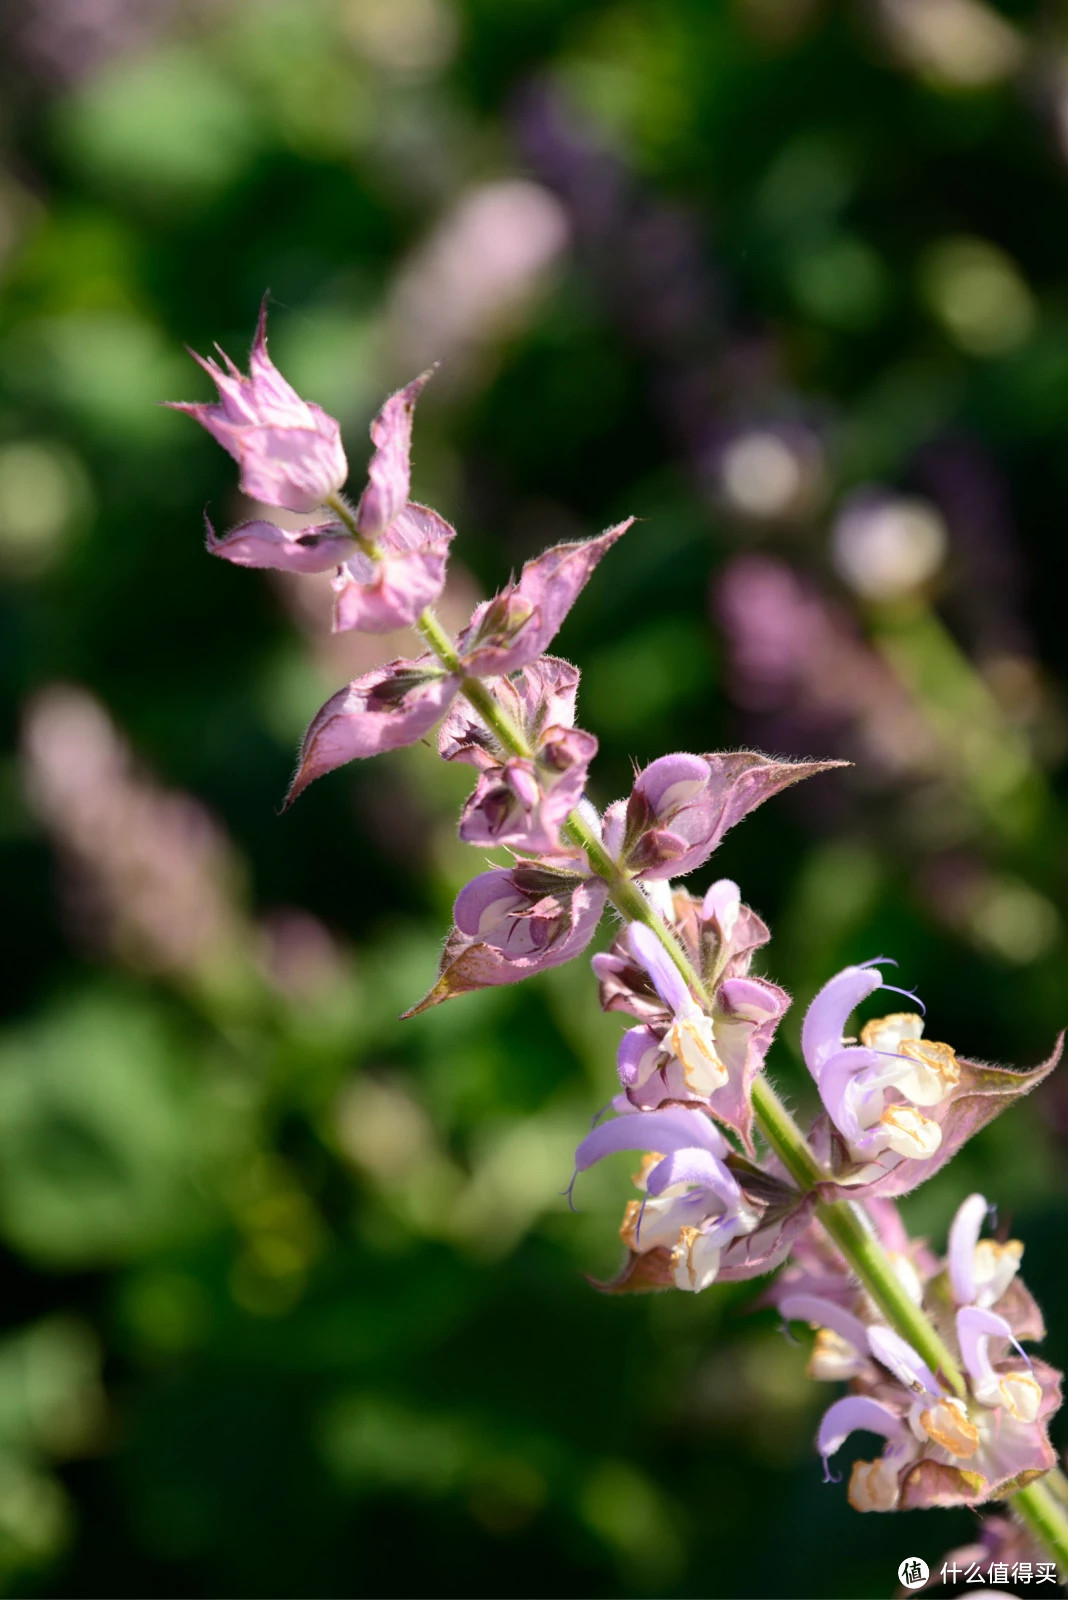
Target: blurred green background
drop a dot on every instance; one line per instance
(292, 1302)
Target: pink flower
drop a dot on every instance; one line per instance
(940, 1449)
(513, 922)
(682, 805)
(388, 707)
(680, 1051)
(378, 594)
(719, 935)
(395, 567)
(398, 704)
(702, 1219)
(289, 450)
(898, 1106)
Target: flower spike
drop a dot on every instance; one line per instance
(932, 1349)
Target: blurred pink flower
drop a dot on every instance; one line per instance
(67, 41)
(151, 875)
(799, 660)
(485, 259)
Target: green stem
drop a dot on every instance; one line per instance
(474, 690)
(1044, 1513)
(445, 650)
(344, 513)
(850, 1227)
(846, 1222)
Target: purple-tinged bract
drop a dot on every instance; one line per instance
(682, 805)
(400, 570)
(512, 922)
(386, 708)
(389, 469)
(512, 629)
(265, 545)
(289, 451)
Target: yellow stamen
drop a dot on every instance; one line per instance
(873, 1486)
(911, 1133)
(949, 1425)
(833, 1358)
(887, 1033)
(940, 1058)
(641, 1177)
(629, 1230)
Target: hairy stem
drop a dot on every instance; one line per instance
(474, 690)
(344, 513)
(1046, 1515)
(850, 1227)
(1044, 1510)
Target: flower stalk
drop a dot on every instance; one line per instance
(347, 517)
(930, 1349)
(1043, 1506)
(846, 1222)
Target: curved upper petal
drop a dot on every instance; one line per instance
(667, 979)
(856, 1413)
(694, 1166)
(826, 1017)
(898, 1356)
(813, 1308)
(963, 1238)
(665, 1131)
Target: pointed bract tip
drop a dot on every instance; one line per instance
(296, 788)
(616, 531)
(259, 341)
(212, 542)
